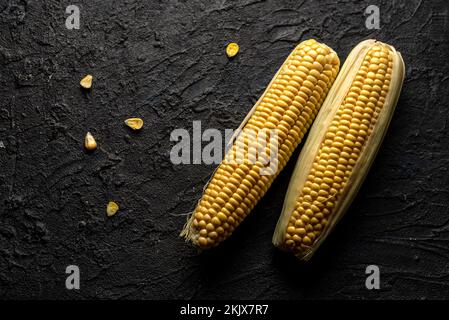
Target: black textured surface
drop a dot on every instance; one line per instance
(165, 62)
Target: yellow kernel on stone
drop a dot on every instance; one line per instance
(232, 49)
(134, 123)
(89, 142)
(215, 221)
(112, 208)
(307, 241)
(291, 230)
(222, 216)
(86, 82)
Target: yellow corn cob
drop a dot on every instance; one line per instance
(288, 105)
(341, 147)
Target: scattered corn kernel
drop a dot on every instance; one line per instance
(112, 208)
(134, 123)
(89, 142)
(232, 49)
(288, 106)
(86, 82)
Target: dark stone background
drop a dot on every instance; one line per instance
(164, 61)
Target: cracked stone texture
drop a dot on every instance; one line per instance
(165, 62)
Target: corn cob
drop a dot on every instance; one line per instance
(288, 105)
(341, 146)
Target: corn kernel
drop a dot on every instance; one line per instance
(86, 82)
(89, 142)
(112, 208)
(232, 49)
(134, 123)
